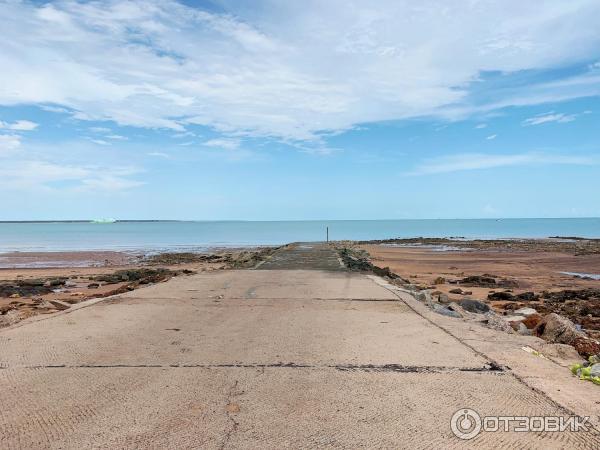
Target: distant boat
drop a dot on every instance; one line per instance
(104, 221)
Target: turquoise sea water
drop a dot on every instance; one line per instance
(149, 236)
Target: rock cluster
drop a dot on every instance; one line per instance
(358, 260)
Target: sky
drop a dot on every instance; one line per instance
(296, 110)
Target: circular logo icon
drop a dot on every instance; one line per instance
(465, 424)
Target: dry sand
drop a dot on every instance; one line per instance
(534, 268)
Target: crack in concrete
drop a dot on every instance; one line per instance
(399, 368)
(229, 411)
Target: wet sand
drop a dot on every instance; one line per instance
(534, 270)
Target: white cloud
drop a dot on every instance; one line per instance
(477, 161)
(9, 143)
(159, 155)
(491, 137)
(481, 126)
(292, 72)
(100, 129)
(19, 125)
(116, 137)
(37, 175)
(550, 117)
(224, 143)
(55, 109)
(98, 141)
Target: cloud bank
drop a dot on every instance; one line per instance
(287, 70)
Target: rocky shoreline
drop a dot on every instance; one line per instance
(567, 317)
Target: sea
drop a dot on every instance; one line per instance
(156, 236)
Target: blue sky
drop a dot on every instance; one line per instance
(299, 110)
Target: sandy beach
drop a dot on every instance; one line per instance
(520, 267)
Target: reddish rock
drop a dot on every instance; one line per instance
(586, 347)
(532, 321)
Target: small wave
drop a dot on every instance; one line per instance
(587, 276)
(432, 247)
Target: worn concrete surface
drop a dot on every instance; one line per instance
(256, 359)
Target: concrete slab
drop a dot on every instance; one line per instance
(274, 408)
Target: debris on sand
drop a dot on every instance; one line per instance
(487, 281)
(25, 288)
(588, 370)
(141, 276)
(509, 296)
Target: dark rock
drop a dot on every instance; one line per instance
(383, 272)
(501, 296)
(55, 282)
(142, 276)
(474, 306)
(445, 311)
(479, 280)
(571, 294)
(526, 296)
(23, 288)
(93, 286)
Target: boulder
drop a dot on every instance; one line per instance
(555, 328)
(532, 321)
(479, 280)
(439, 280)
(514, 318)
(420, 296)
(526, 296)
(456, 291)
(585, 346)
(563, 352)
(474, 306)
(443, 298)
(496, 322)
(446, 311)
(501, 296)
(525, 311)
